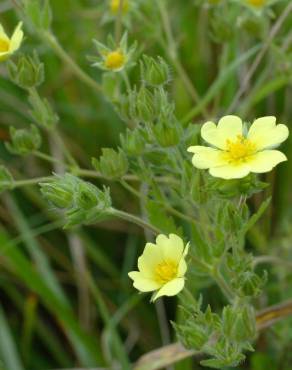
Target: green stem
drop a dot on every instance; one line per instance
(127, 81)
(221, 282)
(36, 180)
(130, 188)
(133, 219)
(118, 24)
(53, 42)
(48, 158)
(173, 55)
(56, 136)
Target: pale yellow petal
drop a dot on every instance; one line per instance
(16, 38)
(266, 160)
(230, 171)
(3, 34)
(172, 246)
(266, 134)
(151, 257)
(171, 288)
(206, 157)
(143, 284)
(228, 128)
(182, 266)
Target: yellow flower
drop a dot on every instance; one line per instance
(115, 5)
(162, 267)
(257, 3)
(234, 152)
(9, 45)
(114, 60)
(113, 57)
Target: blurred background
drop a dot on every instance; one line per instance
(51, 315)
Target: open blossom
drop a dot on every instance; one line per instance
(113, 58)
(162, 267)
(236, 152)
(9, 45)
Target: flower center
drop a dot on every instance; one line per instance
(165, 271)
(115, 5)
(114, 60)
(257, 3)
(4, 45)
(239, 150)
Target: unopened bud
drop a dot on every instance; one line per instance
(24, 141)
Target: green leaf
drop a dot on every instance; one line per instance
(255, 217)
(8, 351)
(158, 217)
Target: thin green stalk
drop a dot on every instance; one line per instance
(130, 188)
(172, 51)
(219, 83)
(27, 182)
(118, 24)
(221, 282)
(273, 260)
(55, 135)
(275, 29)
(133, 219)
(48, 158)
(127, 81)
(119, 347)
(84, 77)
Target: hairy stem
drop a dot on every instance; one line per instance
(133, 219)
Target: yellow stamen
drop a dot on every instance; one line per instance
(114, 60)
(240, 150)
(115, 5)
(4, 45)
(257, 3)
(165, 271)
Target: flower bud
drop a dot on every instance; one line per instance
(27, 72)
(221, 29)
(6, 179)
(133, 142)
(145, 105)
(24, 141)
(42, 112)
(39, 13)
(59, 193)
(112, 164)
(167, 131)
(154, 72)
(251, 283)
(83, 201)
(86, 195)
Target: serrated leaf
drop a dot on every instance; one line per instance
(158, 217)
(255, 217)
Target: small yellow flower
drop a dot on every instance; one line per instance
(113, 57)
(234, 153)
(9, 45)
(114, 60)
(115, 5)
(257, 3)
(162, 267)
